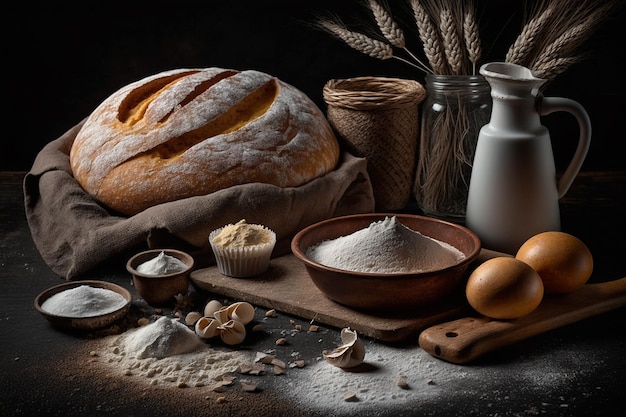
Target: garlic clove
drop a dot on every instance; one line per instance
(232, 332)
(211, 307)
(241, 311)
(207, 327)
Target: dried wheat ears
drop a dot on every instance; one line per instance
(391, 31)
(450, 39)
(472, 39)
(549, 39)
(429, 36)
(360, 42)
(451, 43)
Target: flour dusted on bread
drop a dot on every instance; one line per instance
(189, 132)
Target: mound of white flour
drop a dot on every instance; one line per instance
(165, 337)
(386, 246)
(168, 352)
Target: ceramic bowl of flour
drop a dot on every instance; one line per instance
(159, 275)
(84, 305)
(380, 261)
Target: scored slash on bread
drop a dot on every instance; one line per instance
(189, 132)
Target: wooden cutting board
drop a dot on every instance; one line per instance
(286, 287)
(465, 339)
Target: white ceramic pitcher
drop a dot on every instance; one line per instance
(513, 192)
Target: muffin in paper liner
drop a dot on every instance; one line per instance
(243, 256)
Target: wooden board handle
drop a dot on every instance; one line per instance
(463, 340)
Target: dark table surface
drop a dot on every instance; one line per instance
(577, 370)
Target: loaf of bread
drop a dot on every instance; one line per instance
(190, 132)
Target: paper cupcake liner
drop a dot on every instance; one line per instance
(242, 261)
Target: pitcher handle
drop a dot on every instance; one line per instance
(553, 104)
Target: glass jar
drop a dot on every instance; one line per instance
(455, 109)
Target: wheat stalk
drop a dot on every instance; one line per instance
(430, 38)
(551, 68)
(451, 41)
(472, 39)
(563, 45)
(362, 43)
(387, 25)
(522, 49)
(391, 31)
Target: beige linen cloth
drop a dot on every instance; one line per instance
(74, 234)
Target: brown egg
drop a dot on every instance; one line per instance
(504, 288)
(563, 261)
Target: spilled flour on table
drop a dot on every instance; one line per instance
(409, 378)
(390, 378)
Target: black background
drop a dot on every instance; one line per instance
(61, 60)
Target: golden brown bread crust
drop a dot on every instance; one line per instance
(189, 132)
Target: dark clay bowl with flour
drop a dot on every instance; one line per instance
(86, 321)
(159, 289)
(391, 291)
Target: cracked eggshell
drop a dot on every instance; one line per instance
(351, 353)
(241, 311)
(207, 327)
(232, 332)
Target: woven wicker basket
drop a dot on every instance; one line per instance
(377, 118)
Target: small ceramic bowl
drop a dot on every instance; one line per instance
(387, 291)
(160, 289)
(84, 323)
